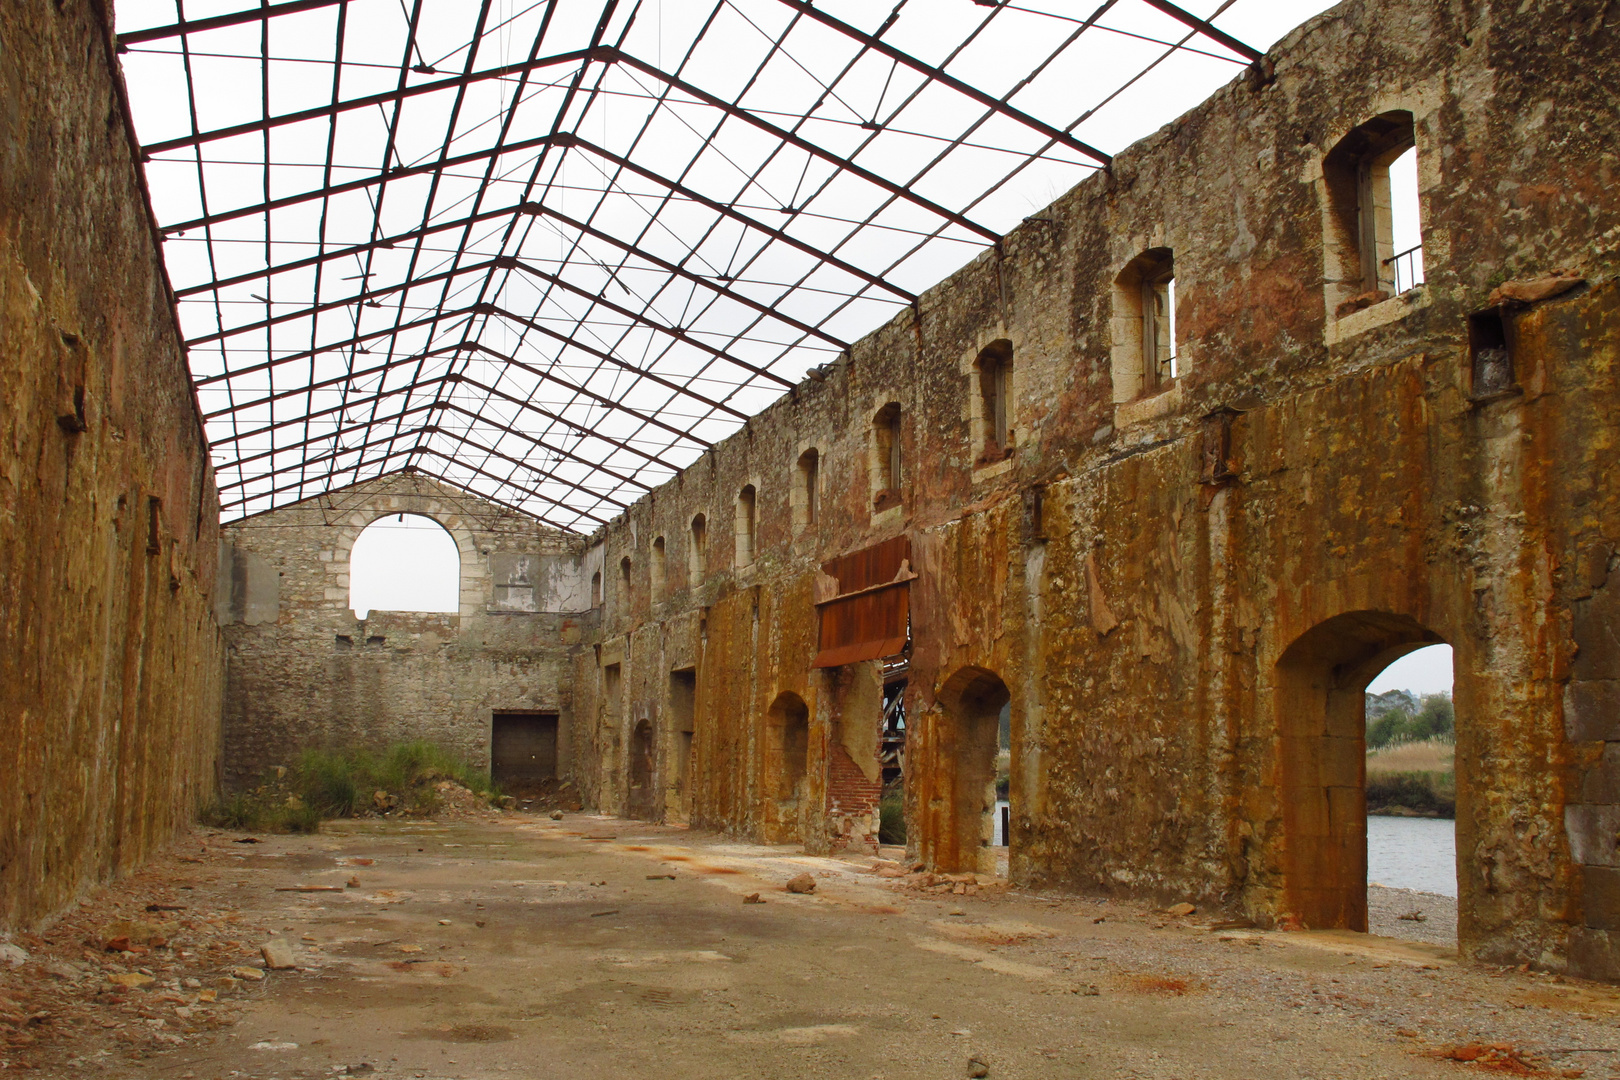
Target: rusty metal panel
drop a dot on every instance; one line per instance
(866, 619)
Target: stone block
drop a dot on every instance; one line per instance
(1592, 710)
(1601, 784)
(1594, 954)
(1600, 897)
(1593, 834)
(1596, 629)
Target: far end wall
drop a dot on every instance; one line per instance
(304, 672)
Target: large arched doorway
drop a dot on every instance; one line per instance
(404, 562)
(789, 727)
(640, 801)
(1320, 700)
(969, 740)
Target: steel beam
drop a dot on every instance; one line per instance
(330, 111)
(235, 18)
(1057, 135)
(1189, 19)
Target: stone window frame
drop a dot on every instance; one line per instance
(886, 456)
(1133, 334)
(1423, 102)
(745, 522)
(658, 568)
(988, 460)
(697, 553)
(806, 497)
(476, 589)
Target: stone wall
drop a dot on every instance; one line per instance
(1180, 590)
(304, 672)
(110, 658)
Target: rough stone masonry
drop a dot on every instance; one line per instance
(1176, 577)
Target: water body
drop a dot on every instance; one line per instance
(1412, 853)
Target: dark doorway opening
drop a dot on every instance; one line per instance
(523, 750)
(640, 802)
(683, 718)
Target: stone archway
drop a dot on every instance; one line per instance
(968, 739)
(1322, 761)
(419, 499)
(788, 724)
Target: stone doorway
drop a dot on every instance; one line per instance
(523, 749)
(640, 802)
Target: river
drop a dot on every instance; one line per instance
(1412, 853)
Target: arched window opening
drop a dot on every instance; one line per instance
(660, 569)
(1374, 243)
(994, 367)
(404, 562)
(1144, 355)
(747, 525)
(596, 589)
(886, 457)
(806, 493)
(624, 580)
(1412, 796)
(696, 550)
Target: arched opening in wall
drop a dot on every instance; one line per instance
(747, 525)
(624, 582)
(1143, 356)
(994, 368)
(697, 547)
(659, 570)
(1321, 711)
(596, 589)
(969, 746)
(790, 732)
(1374, 245)
(1412, 798)
(807, 490)
(639, 801)
(885, 457)
(404, 562)
(683, 721)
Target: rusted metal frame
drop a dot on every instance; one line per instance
(608, 357)
(354, 185)
(409, 388)
(235, 18)
(561, 140)
(450, 406)
(310, 440)
(591, 433)
(739, 113)
(509, 482)
(531, 208)
(437, 175)
(335, 380)
(1189, 19)
(682, 272)
(484, 291)
(427, 429)
(328, 305)
(163, 146)
(902, 57)
(409, 451)
(514, 263)
(291, 358)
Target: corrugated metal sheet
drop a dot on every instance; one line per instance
(866, 618)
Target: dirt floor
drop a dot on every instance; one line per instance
(593, 947)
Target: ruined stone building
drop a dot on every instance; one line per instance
(1170, 531)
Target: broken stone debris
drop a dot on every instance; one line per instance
(278, 954)
(13, 955)
(977, 1068)
(1181, 910)
(802, 883)
(752, 898)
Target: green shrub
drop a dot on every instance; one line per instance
(1433, 793)
(892, 819)
(1435, 717)
(343, 783)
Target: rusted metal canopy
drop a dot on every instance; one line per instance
(551, 250)
(865, 604)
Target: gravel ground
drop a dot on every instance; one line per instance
(1438, 925)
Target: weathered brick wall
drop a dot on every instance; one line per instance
(110, 659)
(303, 672)
(1165, 641)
